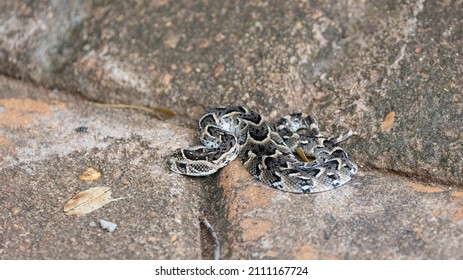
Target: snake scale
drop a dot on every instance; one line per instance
(276, 154)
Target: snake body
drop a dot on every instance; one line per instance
(268, 152)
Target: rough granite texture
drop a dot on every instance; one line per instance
(42, 156)
(390, 70)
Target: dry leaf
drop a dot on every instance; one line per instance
(302, 155)
(388, 122)
(88, 201)
(426, 188)
(90, 175)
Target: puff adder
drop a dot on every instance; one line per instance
(276, 154)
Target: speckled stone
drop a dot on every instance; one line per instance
(42, 156)
(389, 70)
(375, 216)
(350, 65)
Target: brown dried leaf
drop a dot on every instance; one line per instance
(302, 155)
(388, 122)
(90, 175)
(88, 201)
(426, 188)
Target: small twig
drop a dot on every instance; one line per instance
(214, 236)
(166, 112)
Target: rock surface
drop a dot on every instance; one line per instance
(374, 217)
(42, 156)
(391, 71)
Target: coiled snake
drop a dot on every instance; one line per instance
(275, 154)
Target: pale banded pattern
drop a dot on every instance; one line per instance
(272, 153)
